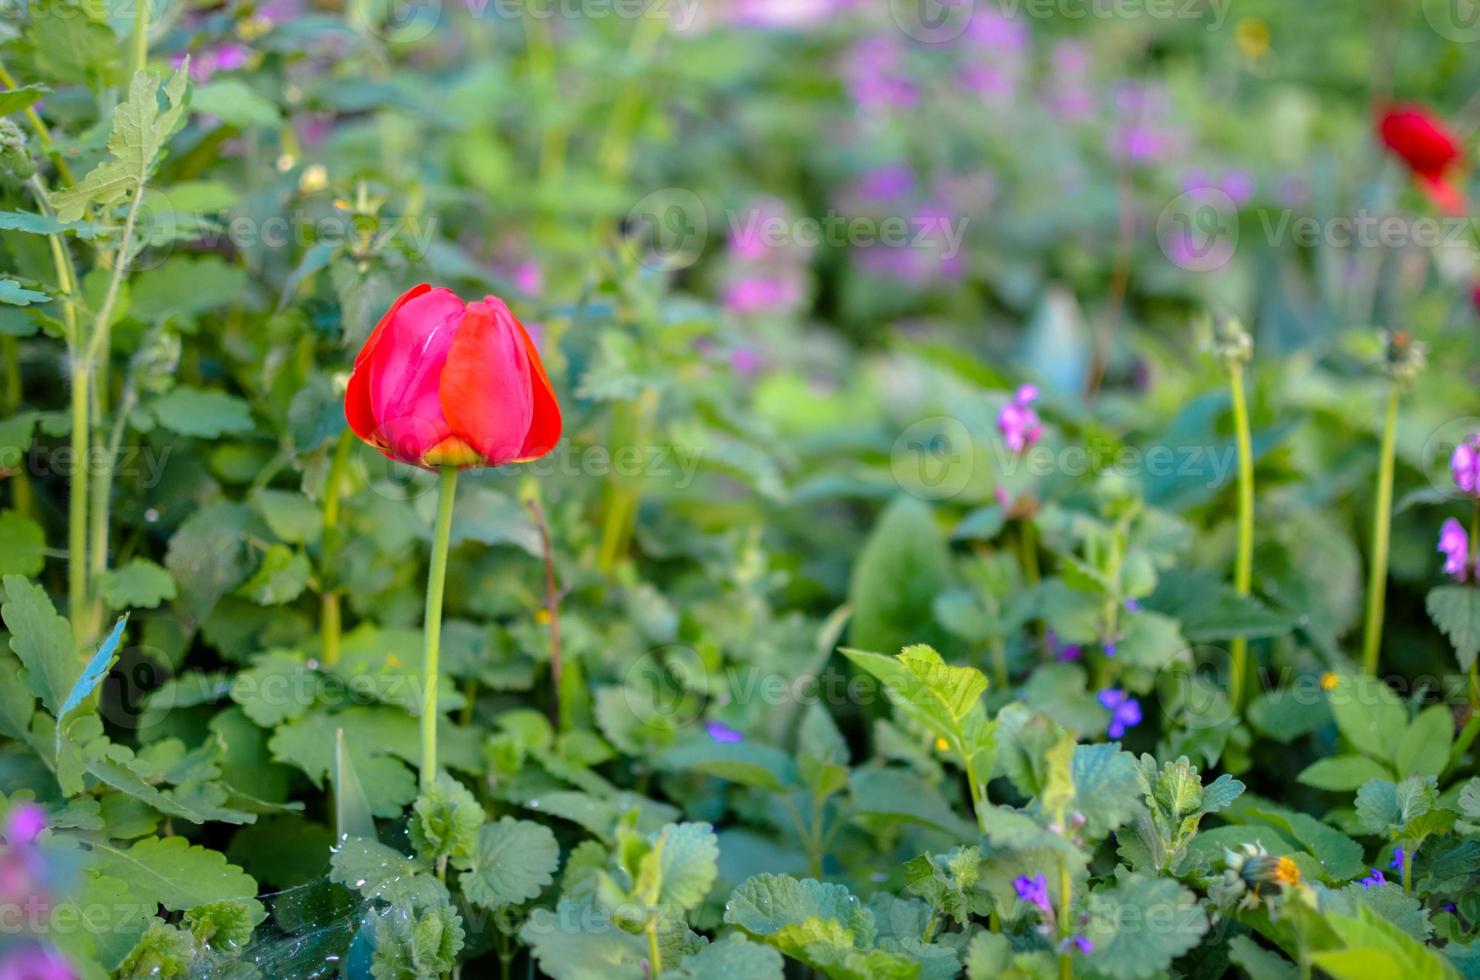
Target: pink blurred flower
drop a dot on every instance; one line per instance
(35, 961)
(1018, 421)
(1454, 545)
(877, 77)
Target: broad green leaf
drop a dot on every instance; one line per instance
(185, 287)
(140, 584)
(1374, 949)
(1126, 926)
(377, 871)
(15, 294)
(175, 873)
(1343, 773)
(1386, 808)
(1455, 609)
(282, 577)
(1424, 748)
(17, 99)
(445, 820)
(1368, 714)
(733, 958)
(235, 103)
(1106, 787)
(689, 862)
(203, 413)
(903, 566)
(748, 763)
(42, 640)
(566, 951)
(900, 795)
(513, 862)
(22, 545)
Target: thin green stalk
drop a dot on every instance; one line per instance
(1066, 962)
(1408, 870)
(655, 956)
(77, 506)
(330, 620)
(141, 35)
(20, 480)
(978, 794)
(617, 142)
(1382, 518)
(436, 580)
(1243, 572)
(95, 363)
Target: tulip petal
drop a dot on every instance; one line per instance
(545, 426)
(487, 392)
(357, 408)
(405, 369)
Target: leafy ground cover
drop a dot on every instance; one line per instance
(1016, 510)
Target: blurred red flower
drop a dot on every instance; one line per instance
(1431, 152)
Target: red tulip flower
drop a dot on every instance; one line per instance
(441, 384)
(1431, 152)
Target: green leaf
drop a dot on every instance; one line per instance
(1455, 609)
(1107, 787)
(18, 99)
(901, 795)
(278, 686)
(514, 861)
(1374, 949)
(42, 640)
(352, 816)
(566, 951)
(15, 294)
(1387, 808)
(92, 675)
(232, 101)
(1368, 713)
(939, 696)
(1140, 924)
(177, 874)
(22, 545)
(378, 871)
(140, 584)
(1424, 748)
(903, 566)
(733, 958)
(140, 130)
(293, 517)
(282, 577)
(185, 287)
(688, 858)
(445, 821)
(748, 763)
(203, 413)
(1342, 773)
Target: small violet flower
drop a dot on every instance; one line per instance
(1125, 711)
(1375, 880)
(1454, 544)
(24, 824)
(1081, 943)
(1465, 464)
(1034, 891)
(1400, 857)
(1018, 422)
(719, 732)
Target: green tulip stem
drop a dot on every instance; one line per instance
(1244, 563)
(1382, 519)
(436, 579)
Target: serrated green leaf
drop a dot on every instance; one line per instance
(1455, 609)
(42, 640)
(1140, 924)
(176, 874)
(513, 862)
(140, 584)
(22, 545)
(203, 413)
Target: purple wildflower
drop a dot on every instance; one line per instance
(1375, 880)
(1454, 544)
(1132, 605)
(1400, 857)
(1079, 942)
(722, 733)
(1239, 186)
(34, 961)
(1465, 465)
(1125, 711)
(1018, 422)
(24, 824)
(1034, 891)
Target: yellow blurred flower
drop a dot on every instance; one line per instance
(1252, 36)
